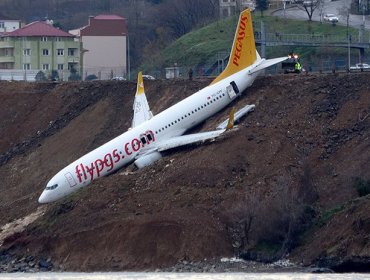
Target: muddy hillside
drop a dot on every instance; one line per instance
(291, 182)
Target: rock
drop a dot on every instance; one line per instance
(45, 264)
(319, 270)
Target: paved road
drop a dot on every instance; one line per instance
(338, 8)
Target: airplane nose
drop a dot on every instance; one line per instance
(43, 197)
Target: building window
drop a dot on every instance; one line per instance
(27, 66)
(60, 52)
(60, 66)
(58, 39)
(72, 52)
(45, 67)
(27, 52)
(44, 39)
(2, 25)
(45, 52)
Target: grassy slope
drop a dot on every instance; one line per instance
(201, 46)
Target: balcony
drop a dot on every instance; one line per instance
(6, 45)
(73, 59)
(7, 59)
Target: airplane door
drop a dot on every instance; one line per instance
(232, 90)
(71, 181)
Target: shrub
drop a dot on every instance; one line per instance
(362, 186)
(40, 76)
(91, 77)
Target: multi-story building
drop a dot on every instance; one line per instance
(8, 25)
(38, 46)
(232, 7)
(104, 42)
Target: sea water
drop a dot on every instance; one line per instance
(181, 276)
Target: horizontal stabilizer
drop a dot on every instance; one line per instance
(188, 139)
(237, 115)
(267, 63)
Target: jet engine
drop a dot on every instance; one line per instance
(147, 159)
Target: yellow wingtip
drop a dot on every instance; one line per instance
(140, 84)
(230, 123)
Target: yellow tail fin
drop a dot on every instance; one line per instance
(140, 84)
(243, 52)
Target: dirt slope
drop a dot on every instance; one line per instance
(284, 182)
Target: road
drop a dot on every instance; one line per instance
(338, 8)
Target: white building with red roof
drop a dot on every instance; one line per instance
(104, 42)
(39, 46)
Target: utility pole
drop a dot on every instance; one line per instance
(349, 42)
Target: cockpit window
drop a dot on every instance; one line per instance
(51, 187)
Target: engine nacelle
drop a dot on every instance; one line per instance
(148, 159)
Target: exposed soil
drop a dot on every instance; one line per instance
(281, 186)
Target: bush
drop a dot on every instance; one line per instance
(362, 186)
(91, 77)
(74, 76)
(40, 76)
(54, 75)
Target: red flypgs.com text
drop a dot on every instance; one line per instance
(239, 40)
(110, 160)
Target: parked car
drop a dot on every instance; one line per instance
(148, 77)
(331, 18)
(360, 67)
(118, 78)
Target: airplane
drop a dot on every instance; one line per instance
(152, 134)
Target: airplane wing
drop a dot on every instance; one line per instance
(182, 140)
(266, 63)
(141, 108)
(237, 115)
(148, 156)
(188, 139)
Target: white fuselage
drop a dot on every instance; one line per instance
(122, 150)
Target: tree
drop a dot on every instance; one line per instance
(74, 76)
(262, 5)
(40, 76)
(309, 6)
(54, 75)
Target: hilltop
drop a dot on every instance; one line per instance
(291, 182)
(204, 46)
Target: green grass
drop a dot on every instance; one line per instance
(201, 46)
(328, 215)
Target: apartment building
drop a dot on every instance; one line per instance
(104, 42)
(38, 46)
(9, 25)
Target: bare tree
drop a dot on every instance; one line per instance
(309, 6)
(186, 14)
